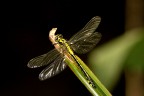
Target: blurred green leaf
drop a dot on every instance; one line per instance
(135, 60)
(107, 61)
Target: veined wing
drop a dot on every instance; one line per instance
(88, 29)
(86, 44)
(53, 69)
(44, 59)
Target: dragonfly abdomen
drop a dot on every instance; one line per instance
(90, 81)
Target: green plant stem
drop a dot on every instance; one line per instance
(99, 90)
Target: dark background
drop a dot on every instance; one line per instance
(24, 35)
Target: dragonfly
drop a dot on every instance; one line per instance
(82, 42)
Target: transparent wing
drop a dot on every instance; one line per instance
(86, 44)
(88, 29)
(53, 69)
(43, 59)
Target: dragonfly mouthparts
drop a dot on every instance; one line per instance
(55, 43)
